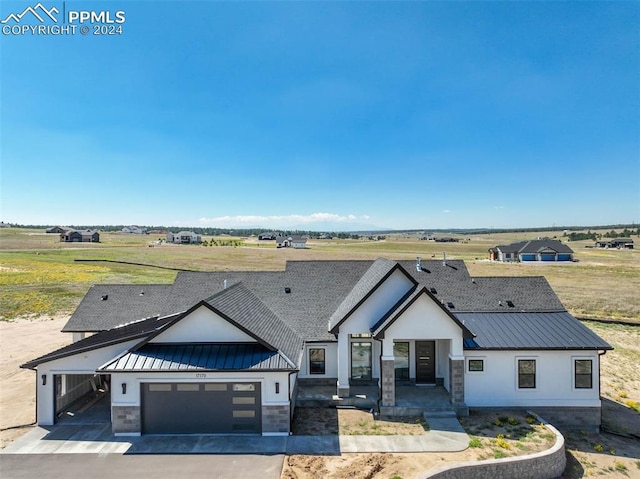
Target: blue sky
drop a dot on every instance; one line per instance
(326, 115)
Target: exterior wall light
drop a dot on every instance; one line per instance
(124, 388)
(277, 388)
(44, 379)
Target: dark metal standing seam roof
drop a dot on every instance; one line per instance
(199, 357)
(533, 331)
(129, 332)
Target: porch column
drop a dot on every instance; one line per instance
(343, 365)
(456, 379)
(388, 381)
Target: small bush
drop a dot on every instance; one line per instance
(598, 448)
(501, 442)
(499, 454)
(531, 420)
(513, 421)
(497, 422)
(475, 442)
(620, 466)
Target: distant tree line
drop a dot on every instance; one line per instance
(625, 233)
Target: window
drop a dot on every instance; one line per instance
(401, 361)
(475, 365)
(583, 369)
(526, 373)
(361, 361)
(317, 363)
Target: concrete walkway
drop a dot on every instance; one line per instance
(445, 435)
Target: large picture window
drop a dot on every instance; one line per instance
(583, 373)
(401, 361)
(526, 373)
(317, 363)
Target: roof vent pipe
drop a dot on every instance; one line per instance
(418, 265)
(225, 284)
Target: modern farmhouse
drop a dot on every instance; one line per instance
(229, 352)
(533, 250)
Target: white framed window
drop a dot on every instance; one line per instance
(527, 374)
(583, 373)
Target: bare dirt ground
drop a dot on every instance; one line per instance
(21, 341)
(589, 454)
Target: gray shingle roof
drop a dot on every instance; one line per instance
(200, 357)
(122, 304)
(245, 309)
(557, 330)
(319, 291)
(535, 246)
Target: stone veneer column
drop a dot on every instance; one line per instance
(276, 419)
(456, 381)
(388, 382)
(126, 420)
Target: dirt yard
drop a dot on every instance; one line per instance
(589, 454)
(21, 341)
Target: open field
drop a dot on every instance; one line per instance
(41, 284)
(38, 274)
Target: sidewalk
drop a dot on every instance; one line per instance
(445, 435)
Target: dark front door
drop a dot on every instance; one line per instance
(425, 362)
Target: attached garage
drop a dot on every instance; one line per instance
(201, 408)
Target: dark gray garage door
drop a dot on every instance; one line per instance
(201, 408)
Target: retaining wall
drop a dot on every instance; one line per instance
(547, 464)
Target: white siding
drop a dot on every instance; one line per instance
(330, 357)
(497, 385)
(376, 305)
(201, 326)
(82, 363)
(424, 320)
(133, 381)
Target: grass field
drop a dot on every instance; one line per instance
(39, 275)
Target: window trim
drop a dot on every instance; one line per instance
(324, 361)
(476, 371)
(518, 374)
(575, 359)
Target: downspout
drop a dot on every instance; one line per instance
(291, 400)
(600, 386)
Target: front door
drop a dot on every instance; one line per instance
(425, 362)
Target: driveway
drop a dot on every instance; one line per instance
(117, 466)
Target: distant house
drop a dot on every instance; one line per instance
(57, 229)
(618, 243)
(83, 236)
(137, 230)
(297, 242)
(446, 239)
(533, 250)
(268, 236)
(184, 237)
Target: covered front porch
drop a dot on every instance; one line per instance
(411, 400)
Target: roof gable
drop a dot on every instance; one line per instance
(247, 317)
(405, 304)
(370, 281)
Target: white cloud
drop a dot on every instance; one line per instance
(281, 221)
(446, 211)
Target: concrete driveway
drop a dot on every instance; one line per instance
(118, 466)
